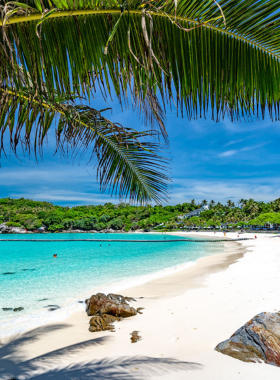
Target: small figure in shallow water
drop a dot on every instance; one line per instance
(55, 255)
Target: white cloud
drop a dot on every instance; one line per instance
(233, 142)
(232, 152)
(228, 153)
(67, 196)
(223, 190)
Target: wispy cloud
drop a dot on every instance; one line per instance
(228, 153)
(225, 189)
(232, 152)
(233, 142)
(67, 196)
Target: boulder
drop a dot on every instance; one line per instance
(4, 229)
(107, 310)
(97, 323)
(113, 304)
(258, 340)
(109, 319)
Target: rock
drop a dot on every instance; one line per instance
(135, 337)
(9, 273)
(30, 270)
(130, 299)
(139, 310)
(18, 309)
(125, 311)
(117, 298)
(43, 299)
(113, 304)
(258, 340)
(97, 323)
(107, 310)
(52, 307)
(109, 319)
(4, 229)
(7, 308)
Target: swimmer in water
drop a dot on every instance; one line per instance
(55, 255)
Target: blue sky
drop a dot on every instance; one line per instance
(210, 160)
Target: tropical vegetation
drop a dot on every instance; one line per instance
(32, 215)
(200, 55)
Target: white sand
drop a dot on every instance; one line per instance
(186, 315)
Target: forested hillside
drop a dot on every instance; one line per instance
(32, 215)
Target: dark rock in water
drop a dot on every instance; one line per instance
(43, 299)
(81, 301)
(7, 308)
(30, 270)
(258, 340)
(53, 306)
(9, 273)
(18, 309)
(114, 304)
(135, 336)
(107, 310)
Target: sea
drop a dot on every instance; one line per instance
(50, 289)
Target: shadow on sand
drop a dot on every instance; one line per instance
(13, 365)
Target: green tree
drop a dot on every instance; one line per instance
(212, 204)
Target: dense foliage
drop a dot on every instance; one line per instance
(245, 212)
(34, 214)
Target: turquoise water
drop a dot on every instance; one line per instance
(37, 280)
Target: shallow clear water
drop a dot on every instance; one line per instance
(79, 268)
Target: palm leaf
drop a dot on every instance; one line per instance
(127, 165)
(194, 52)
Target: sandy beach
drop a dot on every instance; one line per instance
(186, 314)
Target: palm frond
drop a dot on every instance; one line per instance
(194, 52)
(127, 165)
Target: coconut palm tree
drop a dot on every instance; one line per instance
(212, 204)
(199, 54)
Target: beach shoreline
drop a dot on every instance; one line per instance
(186, 315)
(39, 317)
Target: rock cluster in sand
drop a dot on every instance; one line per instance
(258, 340)
(106, 310)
